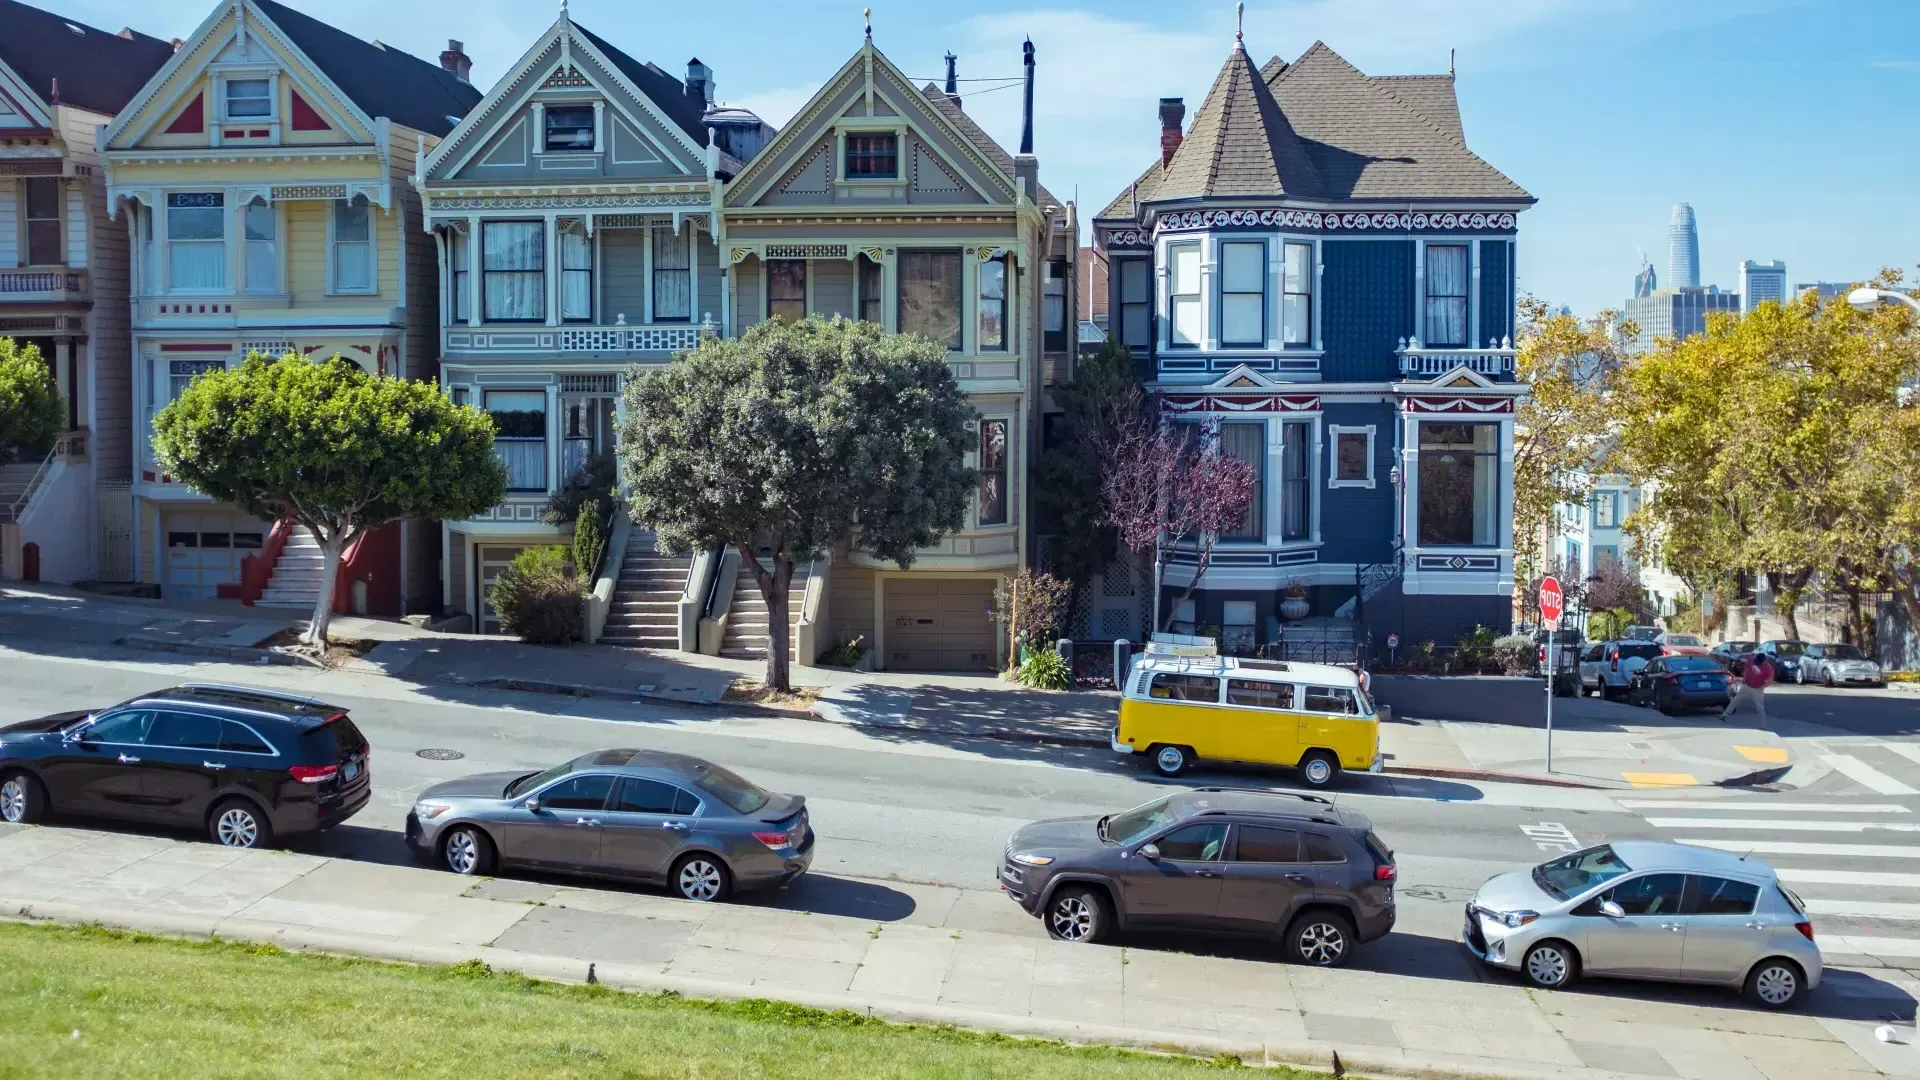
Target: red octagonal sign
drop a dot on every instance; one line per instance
(1550, 597)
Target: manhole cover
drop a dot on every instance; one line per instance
(432, 754)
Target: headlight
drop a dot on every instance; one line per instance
(430, 810)
(1030, 859)
(1513, 919)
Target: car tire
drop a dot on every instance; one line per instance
(1170, 761)
(22, 800)
(1826, 679)
(1077, 914)
(467, 851)
(1775, 983)
(701, 878)
(239, 823)
(1551, 965)
(1319, 768)
(1321, 939)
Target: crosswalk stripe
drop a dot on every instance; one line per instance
(1790, 807)
(1847, 877)
(1863, 773)
(1781, 824)
(1788, 847)
(1866, 909)
(1905, 750)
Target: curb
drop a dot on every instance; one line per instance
(246, 654)
(591, 690)
(1310, 1055)
(1444, 772)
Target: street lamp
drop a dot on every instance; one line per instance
(1867, 298)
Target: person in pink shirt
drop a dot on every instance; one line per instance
(1753, 691)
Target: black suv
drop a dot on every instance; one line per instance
(243, 765)
(1213, 859)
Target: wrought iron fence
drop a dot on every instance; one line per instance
(1092, 664)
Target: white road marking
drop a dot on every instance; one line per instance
(1905, 750)
(1787, 847)
(1866, 909)
(1791, 807)
(1862, 773)
(1781, 824)
(1847, 877)
(1551, 836)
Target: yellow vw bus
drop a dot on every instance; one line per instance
(1314, 717)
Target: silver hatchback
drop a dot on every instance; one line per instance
(1642, 910)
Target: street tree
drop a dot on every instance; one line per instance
(1560, 428)
(331, 447)
(1102, 398)
(793, 438)
(31, 412)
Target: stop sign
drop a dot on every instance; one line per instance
(1550, 597)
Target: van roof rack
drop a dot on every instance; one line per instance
(1263, 791)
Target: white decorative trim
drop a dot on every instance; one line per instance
(1446, 220)
(566, 202)
(1334, 431)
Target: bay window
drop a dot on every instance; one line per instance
(1183, 295)
(993, 472)
(673, 275)
(872, 281)
(1136, 304)
(262, 254)
(45, 244)
(1296, 498)
(1054, 307)
(930, 295)
(786, 288)
(513, 264)
(1243, 293)
(576, 274)
(993, 304)
(353, 245)
(459, 248)
(520, 436)
(196, 241)
(1459, 485)
(1447, 295)
(1247, 442)
(1296, 296)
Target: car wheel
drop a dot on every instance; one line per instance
(1171, 760)
(701, 877)
(1826, 679)
(1077, 914)
(1775, 983)
(1320, 939)
(1551, 965)
(237, 823)
(1319, 768)
(467, 851)
(22, 800)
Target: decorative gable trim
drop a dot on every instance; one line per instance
(1243, 376)
(1464, 376)
(1358, 221)
(192, 119)
(19, 99)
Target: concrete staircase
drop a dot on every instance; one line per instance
(14, 480)
(646, 599)
(747, 619)
(295, 579)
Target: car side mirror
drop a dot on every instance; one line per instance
(532, 804)
(1151, 852)
(1612, 910)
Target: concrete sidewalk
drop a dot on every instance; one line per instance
(947, 956)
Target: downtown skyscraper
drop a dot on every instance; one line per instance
(1683, 248)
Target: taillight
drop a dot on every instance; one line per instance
(774, 839)
(1805, 928)
(1616, 663)
(1385, 872)
(1674, 679)
(314, 774)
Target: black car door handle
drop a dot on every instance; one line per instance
(125, 760)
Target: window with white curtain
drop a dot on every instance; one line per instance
(1447, 295)
(263, 256)
(196, 241)
(1243, 293)
(1183, 295)
(576, 274)
(353, 245)
(672, 275)
(1247, 441)
(459, 245)
(520, 436)
(1296, 296)
(513, 262)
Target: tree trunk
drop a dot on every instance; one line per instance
(332, 546)
(1787, 598)
(774, 586)
(1199, 570)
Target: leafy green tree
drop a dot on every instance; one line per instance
(1102, 399)
(332, 447)
(31, 412)
(793, 438)
(1560, 427)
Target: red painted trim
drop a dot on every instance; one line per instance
(192, 120)
(305, 117)
(256, 569)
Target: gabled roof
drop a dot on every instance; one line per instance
(981, 141)
(98, 71)
(1240, 143)
(382, 81)
(1429, 95)
(669, 93)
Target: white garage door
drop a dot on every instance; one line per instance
(940, 624)
(204, 551)
(489, 560)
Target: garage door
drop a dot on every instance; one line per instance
(204, 551)
(489, 560)
(940, 624)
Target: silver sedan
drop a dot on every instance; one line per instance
(1639, 910)
(639, 815)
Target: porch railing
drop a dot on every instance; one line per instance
(1423, 361)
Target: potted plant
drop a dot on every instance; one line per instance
(1294, 607)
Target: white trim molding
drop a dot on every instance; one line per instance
(1334, 480)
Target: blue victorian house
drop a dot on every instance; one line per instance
(1321, 267)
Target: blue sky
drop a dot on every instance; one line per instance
(1788, 124)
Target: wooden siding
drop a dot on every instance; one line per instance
(11, 224)
(1356, 523)
(456, 569)
(1366, 307)
(849, 605)
(710, 282)
(748, 306)
(307, 256)
(623, 265)
(832, 285)
(110, 338)
(1496, 299)
(419, 288)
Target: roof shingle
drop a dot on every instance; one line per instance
(98, 70)
(1240, 143)
(667, 92)
(982, 141)
(382, 81)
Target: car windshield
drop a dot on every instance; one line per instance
(533, 781)
(1691, 663)
(1789, 648)
(743, 795)
(1634, 650)
(1738, 646)
(1573, 874)
(1841, 652)
(1130, 825)
(1682, 639)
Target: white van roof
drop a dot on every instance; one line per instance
(1270, 670)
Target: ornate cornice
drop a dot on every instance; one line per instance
(442, 203)
(1336, 221)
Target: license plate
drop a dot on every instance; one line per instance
(353, 769)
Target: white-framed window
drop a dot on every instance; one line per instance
(1459, 485)
(1183, 296)
(1136, 303)
(1243, 292)
(181, 373)
(196, 241)
(351, 243)
(929, 295)
(513, 266)
(520, 436)
(576, 274)
(1296, 484)
(459, 248)
(46, 239)
(569, 127)
(872, 286)
(1351, 463)
(1447, 296)
(1604, 515)
(263, 248)
(787, 289)
(249, 99)
(1248, 442)
(873, 156)
(994, 448)
(993, 305)
(672, 275)
(1296, 295)
(1054, 306)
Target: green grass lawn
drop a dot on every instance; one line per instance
(83, 1002)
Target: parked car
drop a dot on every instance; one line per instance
(1673, 644)
(1786, 656)
(1733, 655)
(1224, 860)
(1607, 667)
(1676, 683)
(1836, 664)
(1642, 910)
(244, 766)
(642, 815)
(1641, 633)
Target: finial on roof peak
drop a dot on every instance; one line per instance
(869, 14)
(1240, 26)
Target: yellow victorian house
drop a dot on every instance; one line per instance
(263, 176)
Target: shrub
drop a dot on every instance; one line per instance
(846, 654)
(1044, 669)
(592, 482)
(1036, 603)
(1516, 654)
(1474, 651)
(588, 537)
(538, 597)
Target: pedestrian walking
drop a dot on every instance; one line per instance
(1753, 689)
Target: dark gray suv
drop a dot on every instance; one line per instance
(1222, 860)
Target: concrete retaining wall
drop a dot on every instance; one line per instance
(1487, 699)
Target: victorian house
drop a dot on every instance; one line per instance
(64, 514)
(1321, 272)
(263, 175)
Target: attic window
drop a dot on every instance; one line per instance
(570, 127)
(873, 157)
(249, 97)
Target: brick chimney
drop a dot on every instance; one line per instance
(1173, 111)
(456, 60)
